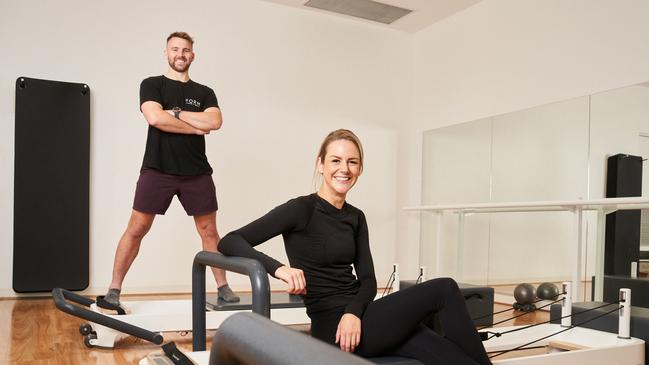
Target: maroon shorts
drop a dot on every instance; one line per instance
(155, 190)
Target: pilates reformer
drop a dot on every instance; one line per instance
(149, 319)
(566, 343)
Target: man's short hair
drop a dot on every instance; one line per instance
(182, 35)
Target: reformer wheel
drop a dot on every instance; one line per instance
(85, 329)
(87, 338)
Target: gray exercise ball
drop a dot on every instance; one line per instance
(525, 293)
(547, 291)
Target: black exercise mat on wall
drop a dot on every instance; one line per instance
(51, 176)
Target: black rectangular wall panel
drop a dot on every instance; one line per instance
(622, 240)
(51, 177)
(623, 176)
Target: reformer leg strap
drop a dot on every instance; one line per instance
(176, 356)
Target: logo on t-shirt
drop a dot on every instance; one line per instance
(193, 102)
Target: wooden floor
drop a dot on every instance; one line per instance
(33, 331)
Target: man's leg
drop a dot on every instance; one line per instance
(206, 227)
(127, 249)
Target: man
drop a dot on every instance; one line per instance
(180, 112)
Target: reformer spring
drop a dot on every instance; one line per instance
(522, 347)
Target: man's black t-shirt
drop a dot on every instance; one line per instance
(174, 153)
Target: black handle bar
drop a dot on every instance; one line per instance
(252, 268)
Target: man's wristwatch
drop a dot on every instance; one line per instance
(176, 111)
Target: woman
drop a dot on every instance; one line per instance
(324, 236)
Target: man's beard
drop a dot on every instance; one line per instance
(172, 64)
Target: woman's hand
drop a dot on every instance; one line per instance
(348, 335)
(293, 277)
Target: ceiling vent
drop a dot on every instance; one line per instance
(366, 9)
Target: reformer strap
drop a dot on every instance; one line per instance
(520, 315)
(508, 309)
(175, 355)
(388, 287)
(484, 336)
(522, 347)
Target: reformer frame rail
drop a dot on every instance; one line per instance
(61, 297)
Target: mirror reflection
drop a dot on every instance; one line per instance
(553, 152)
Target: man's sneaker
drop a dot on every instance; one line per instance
(112, 297)
(227, 295)
(110, 302)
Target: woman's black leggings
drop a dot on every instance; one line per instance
(392, 326)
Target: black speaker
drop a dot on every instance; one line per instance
(623, 179)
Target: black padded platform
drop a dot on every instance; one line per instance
(609, 322)
(393, 360)
(277, 300)
(479, 302)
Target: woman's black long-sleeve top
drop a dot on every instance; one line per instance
(321, 240)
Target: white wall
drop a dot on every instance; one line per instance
(500, 56)
(284, 78)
